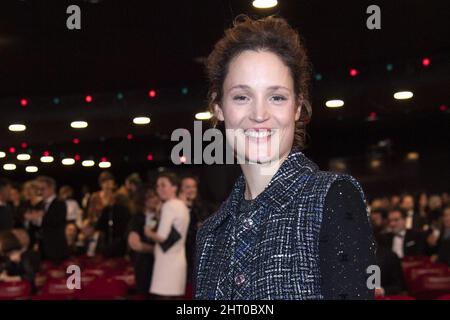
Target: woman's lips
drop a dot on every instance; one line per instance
(258, 134)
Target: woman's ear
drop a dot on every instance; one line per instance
(218, 113)
(298, 110)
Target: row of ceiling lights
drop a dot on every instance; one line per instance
(65, 162)
(19, 127)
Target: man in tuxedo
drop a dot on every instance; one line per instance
(414, 220)
(403, 241)
(6, 212)
(53, 222)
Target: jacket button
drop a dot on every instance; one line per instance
(239, 279)
(248, 224)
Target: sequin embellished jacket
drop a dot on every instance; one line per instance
(274, 253)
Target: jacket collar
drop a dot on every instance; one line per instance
(295, 167)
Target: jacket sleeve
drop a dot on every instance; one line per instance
(57, 217)
(346, 245)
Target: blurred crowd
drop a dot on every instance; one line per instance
(41, 222)
(407, 226)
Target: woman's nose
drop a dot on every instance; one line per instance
(259, 112)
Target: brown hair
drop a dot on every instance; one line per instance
(172, 177)
(9, 242)
(105, 176)
(271, 34)
(49, 181)
(141, 197)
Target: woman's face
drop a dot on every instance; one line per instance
(165, 189)
(108, 185)
(14, 195)
(446, 218)
(71, 232)
(260, 106)
(423, 200)
(152, 201)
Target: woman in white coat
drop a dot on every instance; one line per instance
(170, 267)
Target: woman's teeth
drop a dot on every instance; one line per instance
(258, 133)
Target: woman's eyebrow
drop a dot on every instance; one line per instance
(240, 86)
(278, 87)
(246, 87)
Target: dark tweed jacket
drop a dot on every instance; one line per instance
(273, 254)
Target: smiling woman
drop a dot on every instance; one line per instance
(288, 230)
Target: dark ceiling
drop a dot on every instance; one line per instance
(133, 46)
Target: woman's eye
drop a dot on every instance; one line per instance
(279, 98)
(240, 98)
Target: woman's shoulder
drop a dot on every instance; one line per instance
(174, 204)
(330, 182)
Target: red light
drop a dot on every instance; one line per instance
(23, 102)
(76, 141)
(103, 159)
(88, 99)
(372, 116)
(183, 159)
(443, 108)
(77, 157)
(149, 157)
(353, 72)
(46, 153)
(425, 62)
(129, 136)
(24, 145)
(12, 150)
(152, 93)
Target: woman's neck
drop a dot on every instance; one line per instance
(258, 176)
(171, 197)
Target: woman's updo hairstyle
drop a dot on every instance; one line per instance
(272, 34)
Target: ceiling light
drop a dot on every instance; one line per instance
(17, 127)
(23, 157)
(334, 103)
(9, 166)
(88, 163)
(31, 169)
(79, 124)
(203, 115)
(402, 95)
(104, 164)
(68, 161)
(47, 159)
(141, 120)
(264, 4)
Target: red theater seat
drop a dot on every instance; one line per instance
(429, 287)
(55, 289)
(103, 289)
(414, 274)
(396, 297)
(17, 290)
(127, 277)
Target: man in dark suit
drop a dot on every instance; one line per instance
(403, 241)
(414, 220)
(6, 212)
(53, 241)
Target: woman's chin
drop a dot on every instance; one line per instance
(259, 158)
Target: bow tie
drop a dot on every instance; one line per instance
(399, 235)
